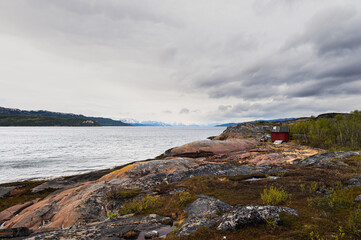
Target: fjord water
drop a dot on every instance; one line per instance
(48, 152)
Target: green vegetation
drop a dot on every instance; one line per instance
(338, 198)
(313, 187)
(184, 199)
(141, 205)
(25, 120)
(24, 115)
(343, 132)
(275, 196)
(330, 217)
(354, 222)
(341, 197)
(112, 214)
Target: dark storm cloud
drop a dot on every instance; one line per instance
(335, 31)
(320, 61)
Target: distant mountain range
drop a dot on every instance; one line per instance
(134, 122)
(17, 117)
(272, 120)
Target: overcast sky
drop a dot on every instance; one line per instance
(190, 61)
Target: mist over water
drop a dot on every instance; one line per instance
(48, 152)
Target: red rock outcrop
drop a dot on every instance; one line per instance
(211, 147)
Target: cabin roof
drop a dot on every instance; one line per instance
(276, 129)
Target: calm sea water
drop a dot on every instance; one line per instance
(48, 152)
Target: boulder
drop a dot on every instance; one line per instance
(202, 212)
(354, 182)
(358, 198)
(250, 215)
(151, 234)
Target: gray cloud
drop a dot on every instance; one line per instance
(184, 111)
(240, 59)
(295, 70)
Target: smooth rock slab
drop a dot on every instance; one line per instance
(7, 214)
(116, 228)
(326, 159)
(210, 147)
(250, 215)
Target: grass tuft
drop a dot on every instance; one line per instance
(275, 196)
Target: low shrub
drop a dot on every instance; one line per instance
(184, 198)
(313, 187)
(112, 214)
(354, 223)
(139, 206)
(340, 198)
(275, 196)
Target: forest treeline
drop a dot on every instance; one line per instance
(20, 120)
(343, 132)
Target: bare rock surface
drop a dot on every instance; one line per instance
(327, 159)
(202, 212)
(71, 181)
(5, 190)
(7, 214)
(250, 215)
(86, 202)
(151, 234)
(210, 147)
(245, 130)
(354, 182)
(116, 228)
(64, 208)
(14, 232)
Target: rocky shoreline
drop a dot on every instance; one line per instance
(164, 196)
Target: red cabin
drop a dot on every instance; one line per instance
(280, 133)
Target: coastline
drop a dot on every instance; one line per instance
(51, 152)
(205, 183)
